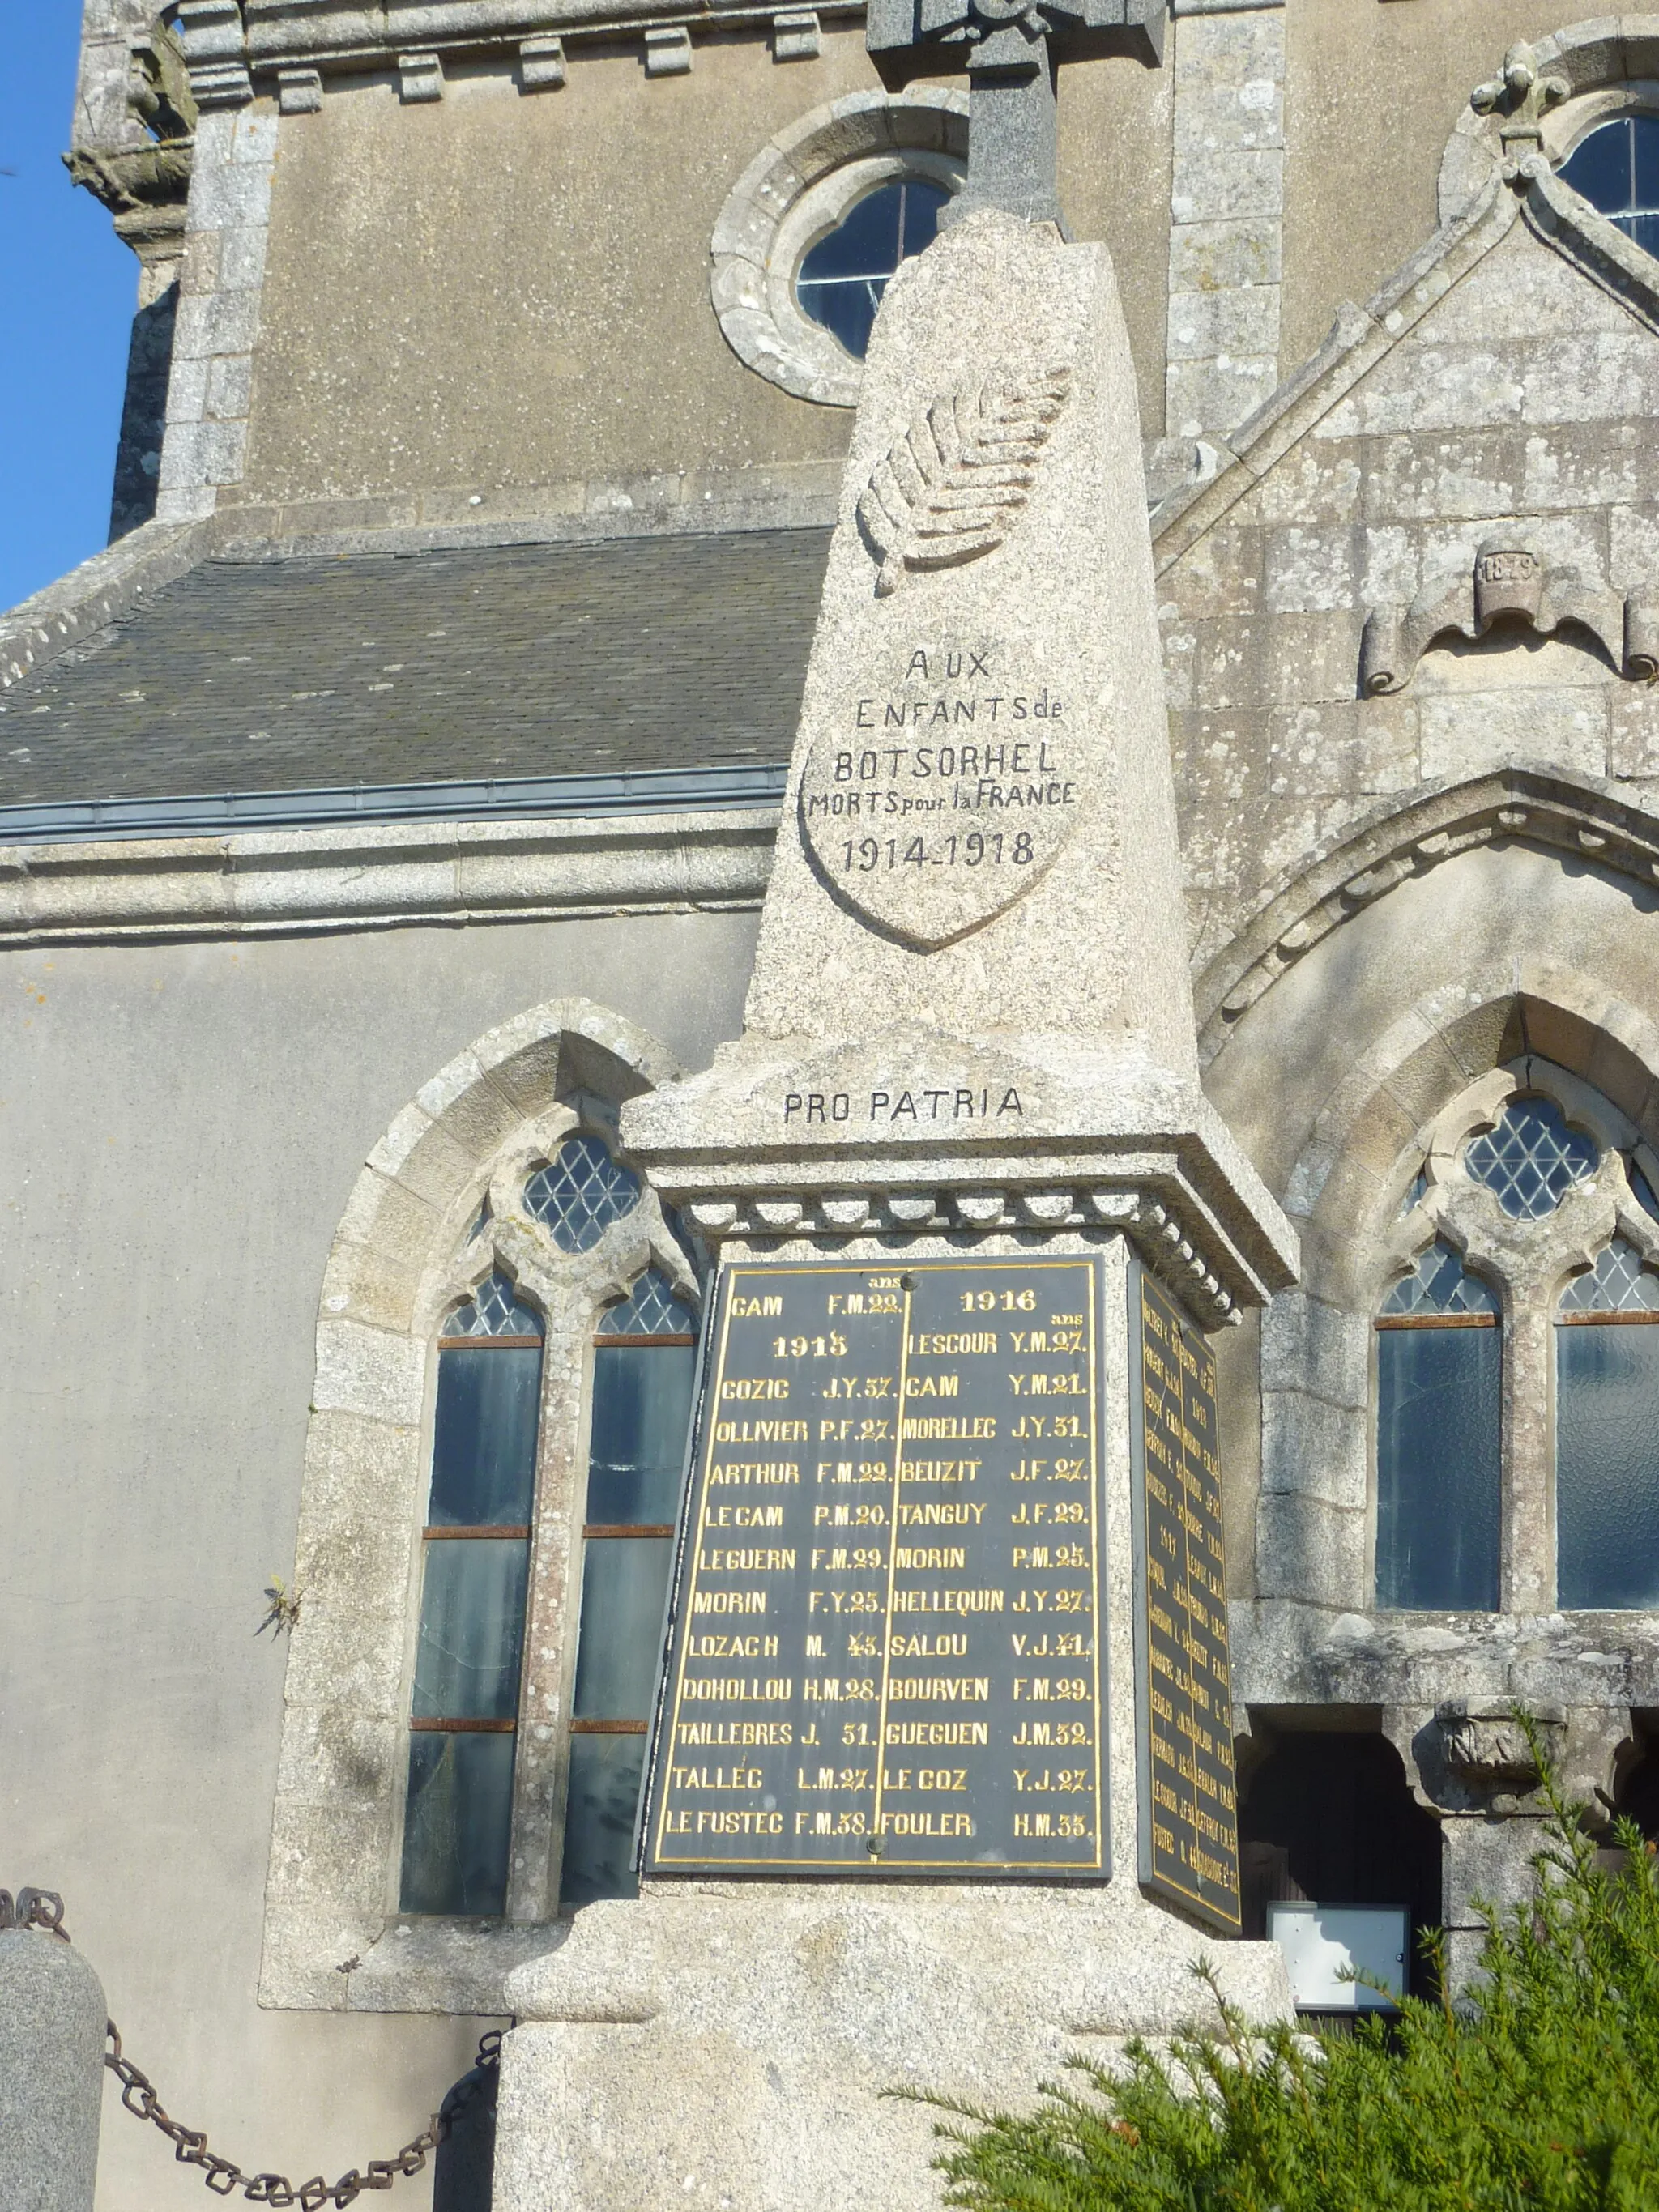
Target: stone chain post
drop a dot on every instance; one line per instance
(52, 2016)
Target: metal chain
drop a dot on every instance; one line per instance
(225, 2178)
(34, 1908)
(42, 1909)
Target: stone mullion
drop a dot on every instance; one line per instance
(1527, 1575)
(542, 1769)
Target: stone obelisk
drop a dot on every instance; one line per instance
(969, 1041)
(971, 987)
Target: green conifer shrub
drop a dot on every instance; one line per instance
(1536, 2091)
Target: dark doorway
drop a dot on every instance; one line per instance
(1330, 1817)
(1635, 1795)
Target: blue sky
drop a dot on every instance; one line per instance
(68, 290)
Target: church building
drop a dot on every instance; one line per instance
(385, 819)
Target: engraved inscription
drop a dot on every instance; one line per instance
(914, 1680)
(1189, 1850)
(955, 484)
(945, 787)
(904, 1106)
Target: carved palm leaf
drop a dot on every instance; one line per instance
(956, 482)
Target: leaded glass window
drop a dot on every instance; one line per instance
(1616, 168)
(1439, 1284)
(581, 1193)
(1440, 1372)
(644, 1375)
(1606, 1433)
(1532, 1159)
(840, 279)
(475, 1563)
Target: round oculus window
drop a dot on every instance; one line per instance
(815, 228)
(840, 280)
(1616, 167)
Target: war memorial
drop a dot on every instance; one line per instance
(950, 1608)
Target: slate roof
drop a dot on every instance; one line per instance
(502, 661)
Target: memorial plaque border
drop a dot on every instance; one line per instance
(715, 1318)
(1154, 1881)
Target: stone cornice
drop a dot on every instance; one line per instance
(239, 47)
(379, 875)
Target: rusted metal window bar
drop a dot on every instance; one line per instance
(1438, 1321)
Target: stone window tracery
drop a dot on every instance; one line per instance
(580, 1193)
(1530, 1159)
(498, 1257)
(1517, 1389)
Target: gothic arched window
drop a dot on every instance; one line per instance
(1518, 1465)
(475, 1561)
(1606, 1433)
(492, 1547)
(1439, 1367)
(644, 1372)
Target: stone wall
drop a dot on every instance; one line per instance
(563, 239)
(553, 217)
(1371, 95)
(1514, 402)
(187, 1123)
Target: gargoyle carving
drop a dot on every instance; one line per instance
(1509, 584)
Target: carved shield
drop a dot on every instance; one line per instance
(953, 788)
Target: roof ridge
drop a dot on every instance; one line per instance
(99, 592)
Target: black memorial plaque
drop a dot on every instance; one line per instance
(1184, 1733)
(886, 1653)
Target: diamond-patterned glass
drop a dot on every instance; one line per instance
(1532, 1159)
(581, 1194)
(493, 1310)
(650, 1310)
(1619, 1282)
(1440, 1284)
(1415, 1191)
